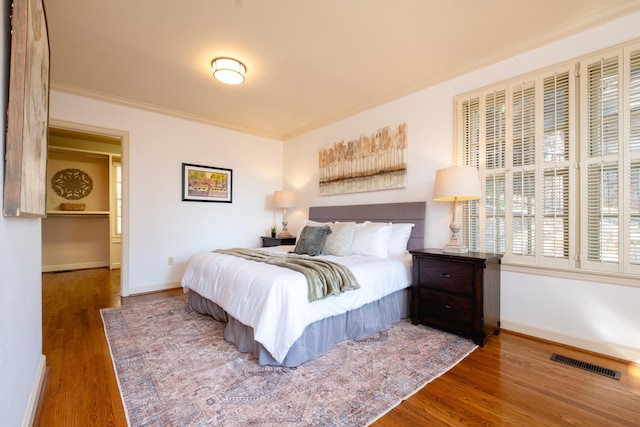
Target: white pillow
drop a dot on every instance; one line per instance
(339, 240)
(400, 233)
(371, 239)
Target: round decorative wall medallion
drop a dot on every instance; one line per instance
(72, 184)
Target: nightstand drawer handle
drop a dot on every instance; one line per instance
(446, 275)
(446, 306)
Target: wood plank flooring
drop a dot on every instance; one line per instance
(509, 382)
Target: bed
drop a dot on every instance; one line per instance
(267, 308)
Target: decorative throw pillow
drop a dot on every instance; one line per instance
(311, 240)
(371, 239)
(339, 240)
(310, 223)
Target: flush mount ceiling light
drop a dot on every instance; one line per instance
(228, 70)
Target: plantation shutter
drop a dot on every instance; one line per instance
(549, 198)
(601, 163)
(523, 173)
(468, 154)
(520, 140)
(556, 141)
(632, 106)
(493, 173)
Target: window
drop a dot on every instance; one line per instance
(560, 180)
(117, 200)
(610, 160)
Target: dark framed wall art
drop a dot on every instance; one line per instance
(25, 172)
(206, 183)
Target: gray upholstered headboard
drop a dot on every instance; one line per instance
(412, 212)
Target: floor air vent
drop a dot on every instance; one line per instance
(586, 366)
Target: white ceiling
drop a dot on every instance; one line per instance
(309, 62)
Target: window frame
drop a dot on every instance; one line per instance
(475, 215)
(116, 214)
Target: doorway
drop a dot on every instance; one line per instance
(87, 190)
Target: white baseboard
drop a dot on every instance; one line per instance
(32, 405)
(78, 266)
(153, 288)
(602, 347)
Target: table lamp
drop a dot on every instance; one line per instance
(456, 184)
(284, 199)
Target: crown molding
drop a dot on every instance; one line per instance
(139, 105)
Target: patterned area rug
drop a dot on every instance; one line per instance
(175, 369)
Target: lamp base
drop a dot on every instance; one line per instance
(284, 235)
(455, 248)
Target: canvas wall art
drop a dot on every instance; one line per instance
(372, 162)
(25, 173)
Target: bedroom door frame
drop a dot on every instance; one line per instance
(124, 161)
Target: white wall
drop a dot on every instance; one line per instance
(596, 316)
(160, 224)
(21, 361)
(599, 317)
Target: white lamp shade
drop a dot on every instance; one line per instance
(228, 70)
(461, 182)
(284, 199)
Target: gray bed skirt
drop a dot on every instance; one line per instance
(318, 337)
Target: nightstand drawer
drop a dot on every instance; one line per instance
(446, 311)
(446, 275)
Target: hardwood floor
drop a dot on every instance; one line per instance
(509, 382)
(80, 386)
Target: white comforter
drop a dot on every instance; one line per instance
(273, 300)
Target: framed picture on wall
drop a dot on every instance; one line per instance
(25, 172)
(206, 183)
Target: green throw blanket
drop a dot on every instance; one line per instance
(324, 277)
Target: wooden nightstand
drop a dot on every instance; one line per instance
(459, 293)
(277, 241)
